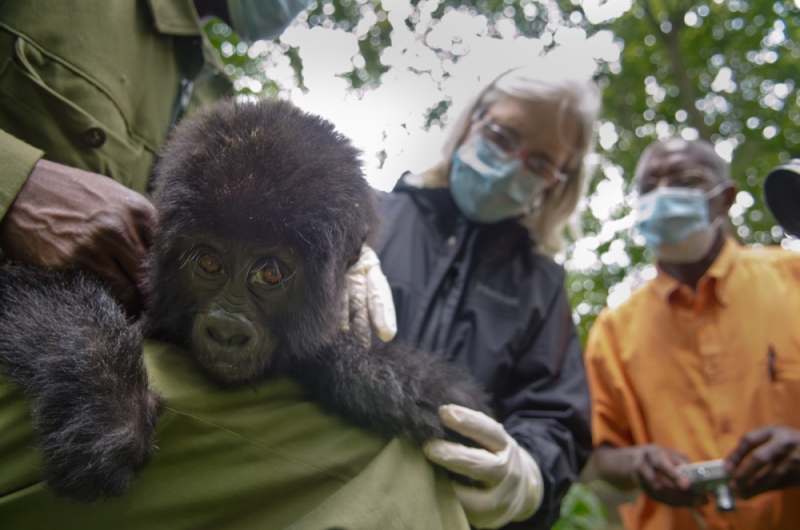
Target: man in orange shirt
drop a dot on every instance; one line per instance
(703, 362)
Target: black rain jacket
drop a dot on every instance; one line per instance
(479, 294)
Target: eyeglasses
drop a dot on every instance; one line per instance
(507, 144)
(689, 178)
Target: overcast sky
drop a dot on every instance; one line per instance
(391, 117)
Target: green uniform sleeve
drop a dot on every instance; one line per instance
(16, 162)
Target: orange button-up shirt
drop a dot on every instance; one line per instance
(696, 370)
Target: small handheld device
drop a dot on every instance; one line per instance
(710, 476)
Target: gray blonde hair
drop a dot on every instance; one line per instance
(541, 80)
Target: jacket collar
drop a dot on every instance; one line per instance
(175, 17)
(665, 286)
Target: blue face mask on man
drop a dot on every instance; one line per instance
(674, 223)
(488, 186)
(263, 19)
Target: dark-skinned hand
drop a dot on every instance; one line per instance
(65, 217)
(655, 471)
(767, 458)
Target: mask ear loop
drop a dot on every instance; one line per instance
(536, 203)
(716, 190)
(710, 194)
(715, 224)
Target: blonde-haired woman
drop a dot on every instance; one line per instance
(468, 252)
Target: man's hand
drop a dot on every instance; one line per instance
(765, 459)
(369, 296)
(510, 482)
(66, 217)
(655, 471)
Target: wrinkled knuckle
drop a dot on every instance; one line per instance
(143, 206)
(84, 241)
(107, 221)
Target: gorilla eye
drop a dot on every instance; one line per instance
(209, 264)
(269, 273)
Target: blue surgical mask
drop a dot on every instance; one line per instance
(488, 187)
(263, 19)
(674, 223)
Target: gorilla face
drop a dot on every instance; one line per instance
(243, 292)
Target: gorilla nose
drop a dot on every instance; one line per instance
(229, 332)
(227, 337)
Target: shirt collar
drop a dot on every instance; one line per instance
(665, 286)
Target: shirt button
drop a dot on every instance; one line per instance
(451, 241)
(94, 137)
(725, 426)
(712, 371)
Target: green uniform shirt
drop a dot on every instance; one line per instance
(257, 457)
(93, 84)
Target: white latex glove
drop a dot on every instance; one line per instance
(511, 482)
(369, 294)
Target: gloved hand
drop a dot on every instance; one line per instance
(369, 294)
(511, 487)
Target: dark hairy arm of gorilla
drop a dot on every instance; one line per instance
(68, 346)
(392, 389)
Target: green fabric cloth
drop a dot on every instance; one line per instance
(72, 67)
(257, 457)
(16, 161)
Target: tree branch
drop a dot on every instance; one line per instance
(688, 93)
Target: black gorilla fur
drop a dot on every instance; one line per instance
(256, 175)
(65, 342)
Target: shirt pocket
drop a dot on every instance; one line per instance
(781, 369)
(35, 113)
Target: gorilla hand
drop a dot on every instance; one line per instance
(369, 298)
(66, 217)
(510, 482)
(66, 344)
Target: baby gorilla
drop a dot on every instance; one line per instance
(263, 208)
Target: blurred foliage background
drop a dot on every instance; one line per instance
(721, 70)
